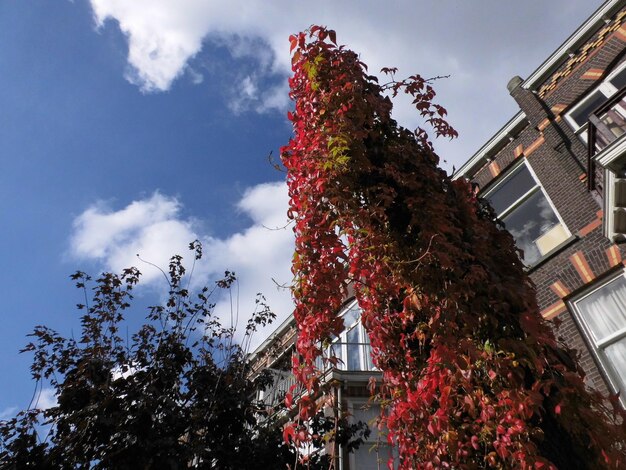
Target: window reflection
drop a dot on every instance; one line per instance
(528, 222)
(518, 183)
(581, 114)
(619, 80)
(352, 347)
(527, 214)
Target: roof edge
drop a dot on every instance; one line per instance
(540, 74)
(279, 331)
(481, 155)
(573, 42)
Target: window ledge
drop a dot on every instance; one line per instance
(354, 376)
(553, 252)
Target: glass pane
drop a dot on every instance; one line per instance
(369, 414)
(354, 349)
(373, 457)
(351, 316)
(369, 364)
(615, 120)
(616, 354)
(551, 239)
(581, 114)
(528, 222)
(619, 80)
(515, 186)
(604, 311)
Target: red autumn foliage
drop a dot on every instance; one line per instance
(473, 377)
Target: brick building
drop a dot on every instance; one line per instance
(347, 383)
(556, 176)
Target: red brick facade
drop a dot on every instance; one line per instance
(558, 158)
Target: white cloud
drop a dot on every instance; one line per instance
(481, 45)
(248, 95)
(276, 98)
(8, 412)
(265, 204)
(161, 39)
(151, 228)
(244, 96)
(260, 255)
(196, 77)
(46, 399)
(248, 87)
(155, 228)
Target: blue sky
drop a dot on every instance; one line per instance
(136, 126)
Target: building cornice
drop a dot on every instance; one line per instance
(289, 322)
(571, 44)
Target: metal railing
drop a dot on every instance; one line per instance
(283, 380)
(346, 356)
(351, 356)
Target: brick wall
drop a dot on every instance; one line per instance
(559, 159)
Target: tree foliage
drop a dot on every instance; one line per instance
(175, 394)
(473, 377)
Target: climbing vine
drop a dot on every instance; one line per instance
(472, 375)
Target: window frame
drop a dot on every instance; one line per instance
(523, 198)
(363, 345)
(597, 347)
(606, 88)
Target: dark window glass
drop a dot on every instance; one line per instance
(619, 80)
(593, 101)
(515, 186)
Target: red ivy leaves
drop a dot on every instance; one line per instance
(473, 376)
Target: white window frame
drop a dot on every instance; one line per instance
(606, 88)
(525, 197)
(365, 363)
(597, 347)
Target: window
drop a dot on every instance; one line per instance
(373, 454)
(353, 345)
(615, 118)
(527, 213)
(601, 313)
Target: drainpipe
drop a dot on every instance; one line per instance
(339, 453)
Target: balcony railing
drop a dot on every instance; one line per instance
(283, 380)
(606, 124)
(353, 357)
